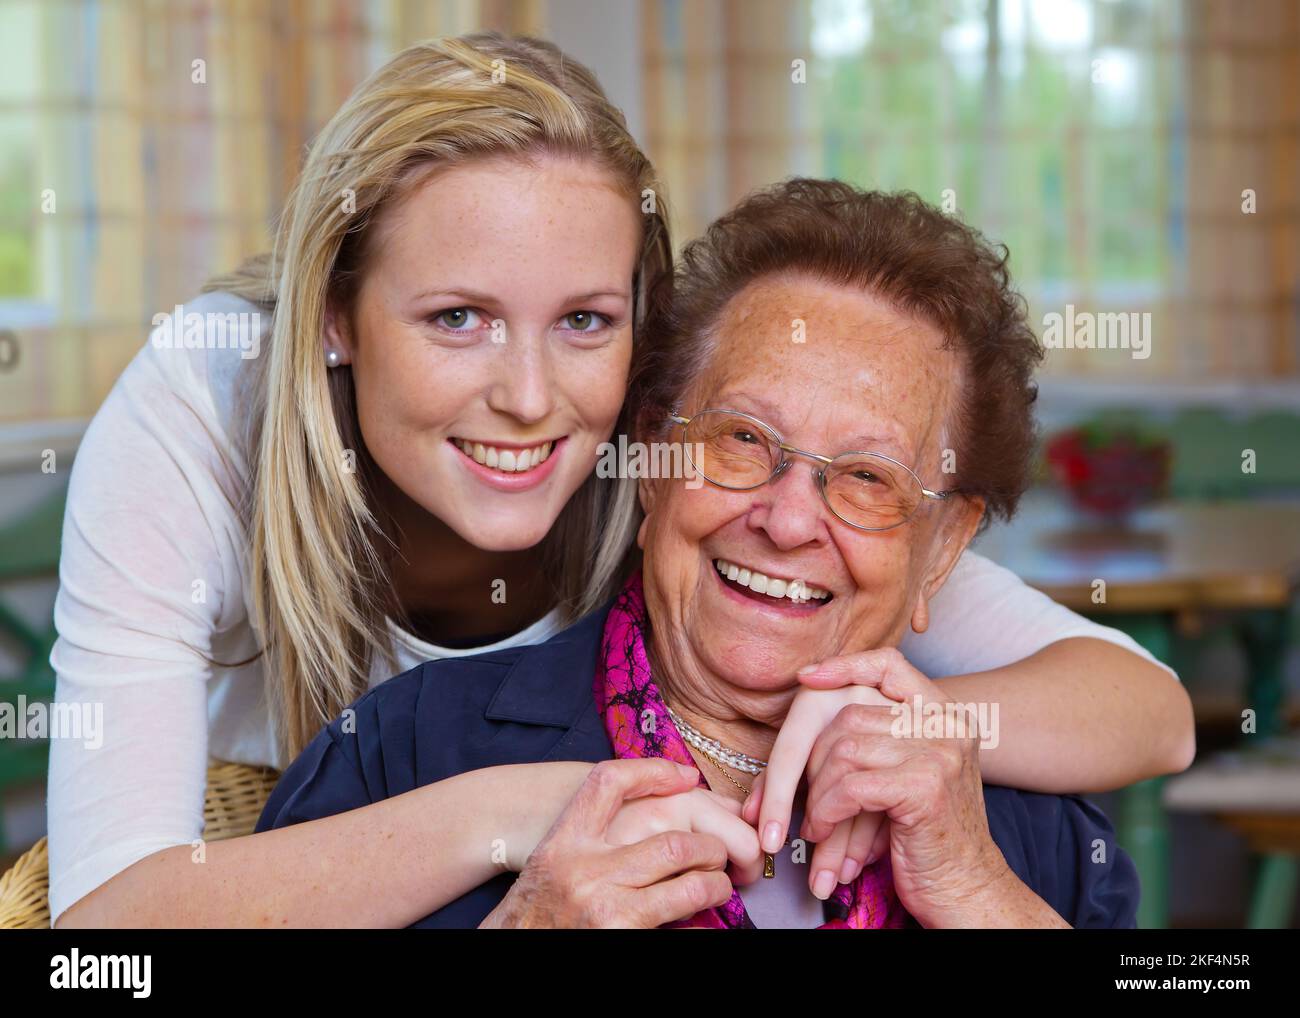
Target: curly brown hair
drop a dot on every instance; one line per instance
(895, 245)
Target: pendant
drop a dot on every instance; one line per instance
(769, 866)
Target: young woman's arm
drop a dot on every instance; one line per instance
(1082, 707)
(1081, 715)
(383, 865)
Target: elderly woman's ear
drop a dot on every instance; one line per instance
(961, 518)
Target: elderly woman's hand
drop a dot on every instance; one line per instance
(800, 750)
(591, 869)
(946, 867)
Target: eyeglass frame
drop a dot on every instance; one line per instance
(820, 473)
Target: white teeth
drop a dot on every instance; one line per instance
(508, 460)
(797, 591)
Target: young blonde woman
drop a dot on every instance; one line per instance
(404, 471)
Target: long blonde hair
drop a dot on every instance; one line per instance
(319, 549)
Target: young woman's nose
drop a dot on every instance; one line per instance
(524, 385)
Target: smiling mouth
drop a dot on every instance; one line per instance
(512, 460)
(761, 586)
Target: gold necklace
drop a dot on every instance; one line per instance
(723, 771)
(713, 751)
(769, 863)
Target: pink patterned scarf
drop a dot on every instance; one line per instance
(639, 726)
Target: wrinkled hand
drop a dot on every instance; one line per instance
(636, 847)
(799, 751)
(946, 867)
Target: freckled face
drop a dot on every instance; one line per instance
(865, 378)
(491, 338)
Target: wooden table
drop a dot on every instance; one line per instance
(1170, 561)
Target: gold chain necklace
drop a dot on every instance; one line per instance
(723, 771)
(721, 757)
(769, 863)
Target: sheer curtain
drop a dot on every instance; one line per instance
(1107, 142)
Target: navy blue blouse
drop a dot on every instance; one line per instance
(535, 703)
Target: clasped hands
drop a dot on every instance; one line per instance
(641, 845)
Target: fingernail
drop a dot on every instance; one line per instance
(808, 669)
(823, 884)
(772, 837)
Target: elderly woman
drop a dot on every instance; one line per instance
(851, 375)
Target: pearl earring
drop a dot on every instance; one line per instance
(332, 358)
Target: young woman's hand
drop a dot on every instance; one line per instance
(698, 810)
(579, 876)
